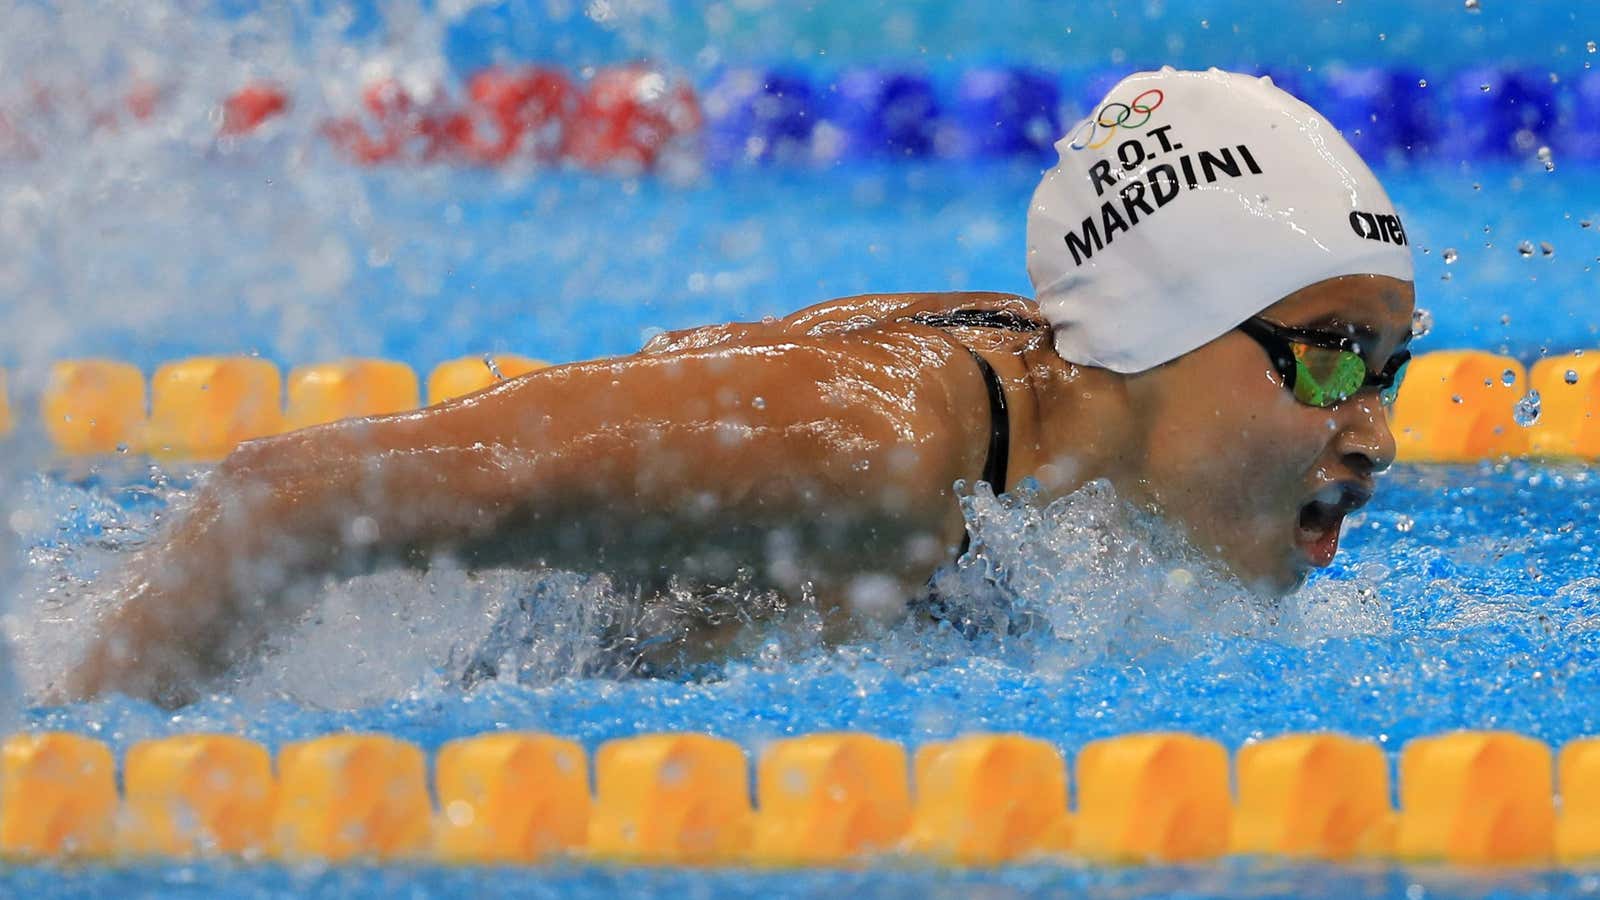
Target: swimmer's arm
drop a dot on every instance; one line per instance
(632, 461)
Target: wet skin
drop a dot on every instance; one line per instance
(811, 455)
(1224, 450)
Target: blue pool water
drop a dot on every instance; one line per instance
(1464, 596)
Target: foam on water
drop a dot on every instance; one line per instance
(1047, 588)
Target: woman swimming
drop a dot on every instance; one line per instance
(1223, 302)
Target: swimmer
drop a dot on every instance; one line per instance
(1222, 309)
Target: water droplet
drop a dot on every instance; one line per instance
(1525, 248)
(1508, 377)
(1546, 249)
(1422, 82)
(1589, 46)
(1584, 223)
(759, 402)
(1527, 409)
(1472, 6)
(1450, 255)
(1421, 323)
(1404, 524)
(1571, 377)
(1484, 88)
(1455, 398)
(1505, 318)
(1445, 277)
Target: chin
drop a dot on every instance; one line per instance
(1278, 582)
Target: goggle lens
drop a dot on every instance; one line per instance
(1324, 376)
(1324, 370)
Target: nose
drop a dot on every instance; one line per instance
(1364, 441)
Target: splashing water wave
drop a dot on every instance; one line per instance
(1047, 588)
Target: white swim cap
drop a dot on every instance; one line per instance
(1189, 202)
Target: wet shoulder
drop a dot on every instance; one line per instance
(846, 315)
(879, 310)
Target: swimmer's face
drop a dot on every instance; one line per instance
(1254, 476)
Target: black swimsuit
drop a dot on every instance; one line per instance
(970, 623)
(994, 466)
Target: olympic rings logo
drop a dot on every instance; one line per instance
(1116, 115)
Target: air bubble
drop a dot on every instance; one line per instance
(1472, 6)
(1526, 411)
(1422, 82)
(1450, 255)
(1404, 524)
(1546, 249)
(1484, 88)
(1571, 377)
(759, 402)
(1589, 46)
(1508, 377)
(1525, 248)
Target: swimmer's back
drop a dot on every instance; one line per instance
(852, 314)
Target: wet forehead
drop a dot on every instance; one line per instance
(1371, 306)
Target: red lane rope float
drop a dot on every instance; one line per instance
(628, 115)
(406, 130)
(247, 108)
(518, 112)
(623, 119)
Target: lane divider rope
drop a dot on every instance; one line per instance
(1457, 406)
(1470, 798)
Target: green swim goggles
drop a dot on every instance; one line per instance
(1323, 369)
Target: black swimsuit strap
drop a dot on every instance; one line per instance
(994, 467)
(979, 318)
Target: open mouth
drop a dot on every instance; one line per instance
(1317, 531)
